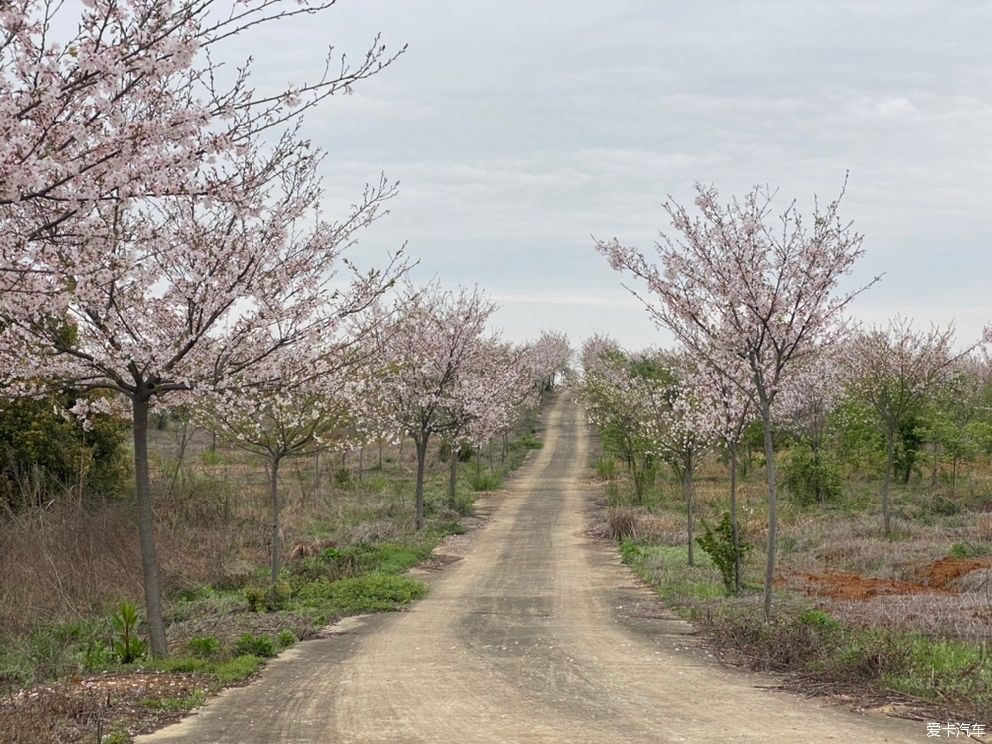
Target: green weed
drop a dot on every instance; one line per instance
(372, 593)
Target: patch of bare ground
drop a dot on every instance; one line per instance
(78, 708)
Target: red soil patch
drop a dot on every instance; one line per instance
(942, 572)
(851, 587)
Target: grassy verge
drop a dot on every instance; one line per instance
(949, 677)
(353, 540)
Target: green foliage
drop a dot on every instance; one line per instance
(370, 593)
(237, 669)
(338, 563)
(450, 528)
(206, 647)
(252, 645)
(286, 638)
(718, 544)
(860, 443)
(187, 702)
(665, 568)
(272, 598)
(530, 441)
(484, 481)
(969, 550)
(43, 452)
(606, 468)
(909, 438)
(810, 477)
(820, 620)
(936, 505)
(98, 656)
(128, 647)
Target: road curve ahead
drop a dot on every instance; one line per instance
(538, 635)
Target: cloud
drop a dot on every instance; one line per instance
(567, 300)
(517, 129)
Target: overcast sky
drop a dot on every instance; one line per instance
(518, 129)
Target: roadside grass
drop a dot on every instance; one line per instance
(954, 676)
(931, 650)
(354, 528)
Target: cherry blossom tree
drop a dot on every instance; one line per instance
(620, 406)
(316, 403)
(551, 359)
(958, 420)
(155, 220)
(494, 391)
(810, 395)
(190, 294)
(113, 99)
(893, 369)
(431, 356)
(677, 427)
(743, 292)
(726, 411)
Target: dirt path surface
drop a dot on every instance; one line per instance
(538, 635)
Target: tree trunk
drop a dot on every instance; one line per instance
(735, 531)
(276, 554)
(506, 449)
(638, 486)
(766, 415)
(818, 487)
(489, 447)
(421, 443)
(890, 448)
(146, 527)
(687, 493)
(452, 477)
(316, 474)
(361, 463)
(936, 466)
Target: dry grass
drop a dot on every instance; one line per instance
(67, 561)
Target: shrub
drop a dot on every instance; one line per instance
(204, 646)
(606, 468)
(718, 544)
(255, 596)
(98, 656)
(484, 481)
(810, 477)
(622, 522)
(252, 645)
(821, 620)
(272, 598)
(128, 647)
(42, 451)
(286, 638)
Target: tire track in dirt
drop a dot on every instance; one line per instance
(538, 635)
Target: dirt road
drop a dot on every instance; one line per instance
(538, 635)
